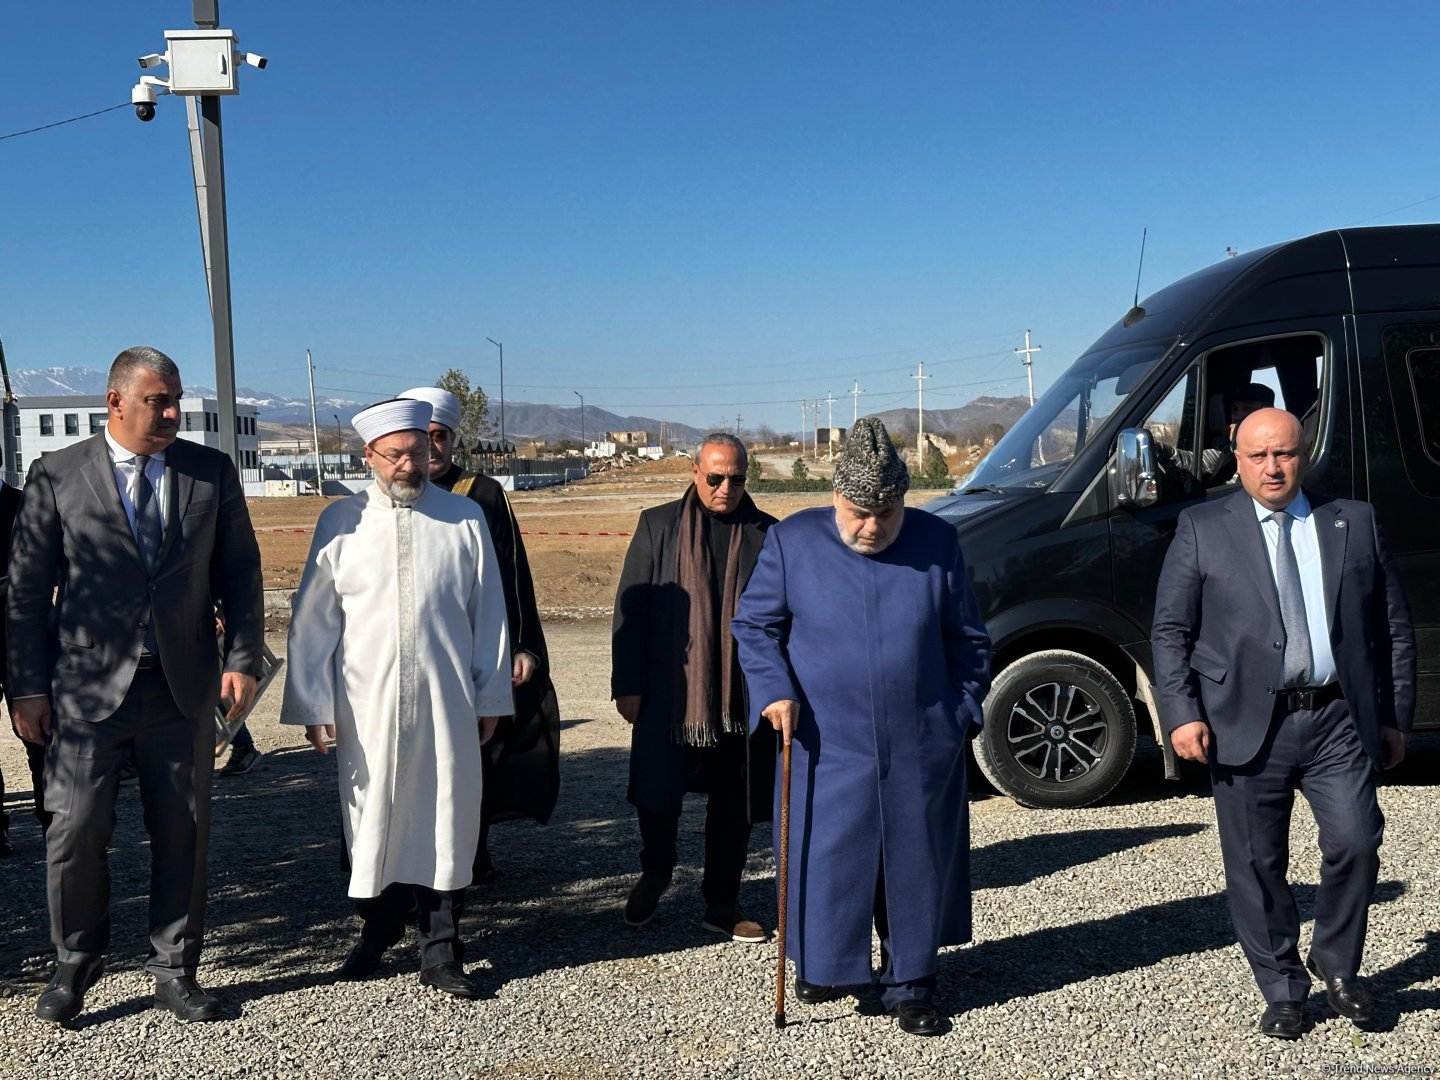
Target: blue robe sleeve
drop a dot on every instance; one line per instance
(762, 632)
(967, 643)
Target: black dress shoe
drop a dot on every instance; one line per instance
(1283, 1020)
(808, 993)
(645, 897)
(1348, 997)
(363, 961)
(64, 994)
(451, 978)
(184, 997)
(917, 1018)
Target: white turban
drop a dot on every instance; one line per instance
(444, 406)
(388, 417)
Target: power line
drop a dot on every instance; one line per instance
(58, 123)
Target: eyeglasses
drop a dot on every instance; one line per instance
(414, 456)
(715, 479)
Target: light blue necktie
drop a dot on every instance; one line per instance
(1298, 660)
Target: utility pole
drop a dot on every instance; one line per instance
(830, 435)
(1029, 373)
(816, 430)
(502, 390)
(584, 469)
(315, 426)
(737, 425)
(920, 436)
(855, 393)
(804, 423)
(207, 160)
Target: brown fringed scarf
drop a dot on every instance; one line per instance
(702, 714)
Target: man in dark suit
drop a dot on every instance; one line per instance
(1285, 657)
(123, 547)
(676, 680)
(35, 755)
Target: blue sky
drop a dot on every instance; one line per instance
(691, 210)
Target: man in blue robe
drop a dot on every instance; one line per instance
(860, 639)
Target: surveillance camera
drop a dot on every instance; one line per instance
(151, 60)
(255, 60)
(143, 97)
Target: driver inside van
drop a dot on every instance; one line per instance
(1217, 461)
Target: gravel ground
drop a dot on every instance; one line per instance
(1103, 947)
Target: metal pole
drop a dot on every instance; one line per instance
(502, 391)
(1029, 365)
(209, 167)
(920, 434)
(830, 434)
(583, 468)
(339, 448)
(804, 422)
(315, 426)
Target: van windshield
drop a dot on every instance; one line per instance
(1066, 417)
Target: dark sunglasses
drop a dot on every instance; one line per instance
(715, 479)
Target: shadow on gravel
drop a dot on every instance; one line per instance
(995, 972)
(1015, 862)
(279, 919)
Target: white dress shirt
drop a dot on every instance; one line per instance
(123, 462)
(1312, 582)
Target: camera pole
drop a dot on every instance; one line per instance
(207, 158)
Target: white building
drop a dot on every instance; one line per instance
(45, 424)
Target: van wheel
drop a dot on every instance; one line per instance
(1059, 731)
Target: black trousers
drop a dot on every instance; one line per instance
(1318, 753)
(727, 841)
(438, 915)
(35, 759)
(174, 756)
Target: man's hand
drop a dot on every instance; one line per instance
(783, 716)
(488, 724)
(1192, 741)
(628, 706)
(320, 736)
(240, 690)
(31, 717)
(1392, 747)
(522, 667)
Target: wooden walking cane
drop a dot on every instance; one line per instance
(783, 881)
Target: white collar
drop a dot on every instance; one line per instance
(1299, 508)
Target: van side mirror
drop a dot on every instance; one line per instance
(1136, 482)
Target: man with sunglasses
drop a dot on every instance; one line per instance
(521, 764)
(676, 681)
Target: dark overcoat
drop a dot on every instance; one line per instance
(890, 661)
(647, 650)
(522, 779)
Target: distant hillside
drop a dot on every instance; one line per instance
(968, 422)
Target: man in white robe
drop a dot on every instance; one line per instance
(398, 652)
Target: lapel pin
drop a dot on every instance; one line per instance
(1339, 523)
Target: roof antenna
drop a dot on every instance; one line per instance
(1136, 313)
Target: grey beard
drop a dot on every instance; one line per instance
(403, 492)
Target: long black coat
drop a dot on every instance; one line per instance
(647, 650)
(523, 775)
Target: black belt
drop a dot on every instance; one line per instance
(148, 662)
(1307, 697)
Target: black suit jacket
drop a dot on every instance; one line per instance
(9, 507)
(73, 542)
(1219, 640)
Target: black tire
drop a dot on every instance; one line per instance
(1059, 731)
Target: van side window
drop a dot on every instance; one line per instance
(1424, 371)
(1194, 443)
